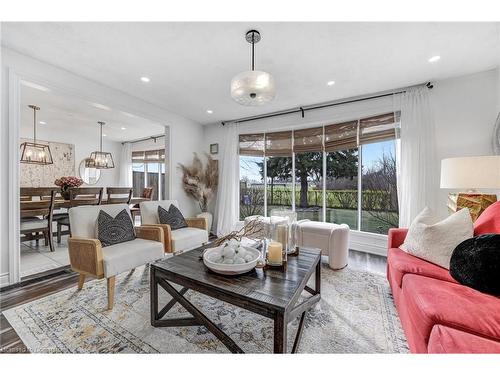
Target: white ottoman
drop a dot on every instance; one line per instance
(332, 239)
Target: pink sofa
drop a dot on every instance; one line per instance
(438, 314)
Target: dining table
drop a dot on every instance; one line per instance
(66, 203)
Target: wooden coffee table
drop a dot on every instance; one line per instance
(269, 292)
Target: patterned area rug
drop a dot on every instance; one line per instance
(356, 314)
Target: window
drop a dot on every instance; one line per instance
(341, 190)
(278, 149)
(379, 208)
(252, 187)
(339, 173)
(148, 170)
(308, 148)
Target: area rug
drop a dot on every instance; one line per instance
(356, 314)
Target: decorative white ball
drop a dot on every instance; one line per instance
(239, 260)
(228, 252)
(248, 257)
(228, 261)
(241, 252)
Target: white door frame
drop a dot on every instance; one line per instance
(14, 84)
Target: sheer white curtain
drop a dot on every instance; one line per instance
(125, 179)
(415, 162)
(227, 196)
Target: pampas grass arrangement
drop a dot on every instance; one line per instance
(199, 181)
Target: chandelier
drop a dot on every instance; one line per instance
(253, 87)
(100, 159)
(33, 152)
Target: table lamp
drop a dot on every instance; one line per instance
(469, 174)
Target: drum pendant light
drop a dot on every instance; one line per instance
(253, 87)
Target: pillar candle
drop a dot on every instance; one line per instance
(274, 254)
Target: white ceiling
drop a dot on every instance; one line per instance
(63, 114)
(191, 64)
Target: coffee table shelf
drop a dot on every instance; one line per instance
(268, 292)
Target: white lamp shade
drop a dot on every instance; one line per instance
(253, 88)
(475, 172)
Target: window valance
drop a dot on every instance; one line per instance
(341, 136)
(279, 144)
(252, 144)
(377, 128)
(335, 137)
(308, 140)
(150, 156)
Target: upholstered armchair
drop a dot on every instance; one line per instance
(180, 240)
(88, 257)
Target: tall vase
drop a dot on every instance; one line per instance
(208, 216)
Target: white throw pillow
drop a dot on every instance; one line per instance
(435, 240)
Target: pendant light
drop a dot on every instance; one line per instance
(253, 87)
(100, 159)
(33, 152)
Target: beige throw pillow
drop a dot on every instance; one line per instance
(435, 240)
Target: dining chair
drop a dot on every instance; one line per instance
(136, 209)
(86, 196)
(36, 215)
(118, 195)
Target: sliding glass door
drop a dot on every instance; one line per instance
(148, 171)
(339, 173)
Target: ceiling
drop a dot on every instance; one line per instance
(61, 113)
(191, 64)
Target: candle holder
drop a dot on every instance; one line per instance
(276, 232)
(287, 229)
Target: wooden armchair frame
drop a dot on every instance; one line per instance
(192, 222)
(85, 255)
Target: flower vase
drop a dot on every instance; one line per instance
(65, 193)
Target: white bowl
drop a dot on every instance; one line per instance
(230, 269)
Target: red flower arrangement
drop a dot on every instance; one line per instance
(66, 183)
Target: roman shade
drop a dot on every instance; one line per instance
(377, 128)
(252, 144)
(279, 144)
(308, 140)
(342, 136)
(151, 156)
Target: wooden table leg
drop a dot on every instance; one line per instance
(317, 281)
(280, 333)
(153, 287)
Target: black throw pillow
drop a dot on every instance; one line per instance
(172, 216)
(113, 230)
(476, 263)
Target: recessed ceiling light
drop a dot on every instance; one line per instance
(42, 122)
(145, 79)
(123, 128)
(434, 58)
(330, 83)
(209, 111)
(104, 135)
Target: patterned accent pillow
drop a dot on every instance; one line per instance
(173, 217)
(111, 231)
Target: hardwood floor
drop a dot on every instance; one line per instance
(33, 289)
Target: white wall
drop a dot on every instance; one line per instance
(465, 109)
(186, 135)
(84, 145)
